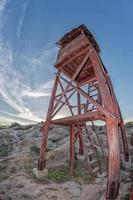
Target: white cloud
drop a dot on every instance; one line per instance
(35, 94)
(13, 90)
(22, 116)
(10, 84)
(2, 5)
(129, 119)
(45, 58)
(21, 20)
(7, 118)
(44, 55)
(42, 91)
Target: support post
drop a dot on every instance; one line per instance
(112, 127)
(80, 138)
(113, 160)
(45, 129)
(124, 140)
(72, 148)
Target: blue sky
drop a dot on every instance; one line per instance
(29, 30)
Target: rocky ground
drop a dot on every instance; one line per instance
(19, 149)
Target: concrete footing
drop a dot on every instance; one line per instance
(40, 174)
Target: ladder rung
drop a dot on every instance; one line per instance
(94, 89)
(94, 95)
(95, 170)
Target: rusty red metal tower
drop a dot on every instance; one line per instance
(81, 73)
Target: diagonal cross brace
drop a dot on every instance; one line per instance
(69, 84)
(67, 102)
(98, 106)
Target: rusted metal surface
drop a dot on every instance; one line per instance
(41, 161)
(79, 65)
(72, 148)
(81, 149)
(79, 118)
(131, 195)
(132, 139)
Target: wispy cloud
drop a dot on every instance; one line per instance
(45, 58)
(9, 118)
(42, 91)
(14, 89)
(29, 117)
(21, 20)
(6, 120)
(10, 81)
(2, 6)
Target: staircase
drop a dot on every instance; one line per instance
(91, 155)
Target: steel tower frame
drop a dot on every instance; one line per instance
(79, 65)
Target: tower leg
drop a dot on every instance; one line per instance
(41, 160)
(81, 151)
(124, 139)
(80, 138)
(72, 148)
(45, 129)
(114, 160)
(108, 100)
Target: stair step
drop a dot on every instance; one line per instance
(95, 170)
(90, 153)
(93, 161)
(87, 143)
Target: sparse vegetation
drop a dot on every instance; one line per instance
(35, 149)
(59, 175)
(4, 150)
(4, 174)
(17, 126)
(14, 125)
(13, 166)
(126, 197)
(3, 125)
(22, 145)
(82, 174)
(26, 196)
(129, 124)
(28, 166)
(63, 173)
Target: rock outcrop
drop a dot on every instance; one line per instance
(19, 150)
